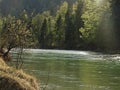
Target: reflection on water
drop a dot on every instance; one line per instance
(74, 70)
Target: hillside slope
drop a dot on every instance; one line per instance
(15, 7)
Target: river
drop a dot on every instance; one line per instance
(74, 70)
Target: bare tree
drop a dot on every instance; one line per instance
(15, 33)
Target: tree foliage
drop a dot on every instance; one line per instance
(92, 17)
(14, 34)
(115, 5)
(79, 24)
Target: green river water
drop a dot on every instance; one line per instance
(74, 70)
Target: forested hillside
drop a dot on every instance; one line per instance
(59, 24)
(15, 7)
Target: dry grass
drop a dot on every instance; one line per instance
(12, 79)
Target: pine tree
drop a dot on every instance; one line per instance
(42, 38)
(69, 31)
(115, 5)
(78, 23)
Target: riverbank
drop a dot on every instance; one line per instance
(12, 79)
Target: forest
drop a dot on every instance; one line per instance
(60, 24)
(15, 7)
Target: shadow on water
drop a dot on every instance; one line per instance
(74, 70)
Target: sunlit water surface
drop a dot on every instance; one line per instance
(74, 70)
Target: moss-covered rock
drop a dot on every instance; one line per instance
(12, 79)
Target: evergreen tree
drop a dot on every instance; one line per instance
(42, 38)
(59, 32)
(115, 5)
(60, 26)
(69, 31)
(49, 33)
(92, 16)
(78, 23)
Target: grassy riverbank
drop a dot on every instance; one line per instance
(12, 79)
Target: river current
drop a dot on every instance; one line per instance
(73, 70)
